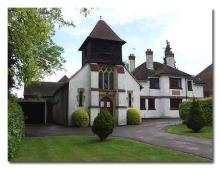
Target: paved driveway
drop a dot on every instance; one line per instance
(150, 131)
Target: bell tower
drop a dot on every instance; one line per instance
(102, 46)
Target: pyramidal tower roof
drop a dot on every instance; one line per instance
(104, 32)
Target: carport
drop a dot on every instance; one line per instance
(35, 111)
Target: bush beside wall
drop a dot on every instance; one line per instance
(206, 106)
(15, 126)
(80, 118)
(133, 116)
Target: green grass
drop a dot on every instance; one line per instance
(182, 129)
(89, 149)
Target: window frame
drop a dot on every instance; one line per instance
(142, 107)
(189, 88)
(177, 86)
(150, 82)
(107, 74)
(149, 105)
(171, 103)
(80, 97)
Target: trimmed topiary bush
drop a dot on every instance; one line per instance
(80, 118)
(15, 126)
(103, 125)
(195, 119)
(133, 116)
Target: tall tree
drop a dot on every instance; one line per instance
(32, 53)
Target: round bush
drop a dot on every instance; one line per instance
(103, 125)
(133, 116)
(80, 118)
(195, 119)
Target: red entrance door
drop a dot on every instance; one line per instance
(106, 105)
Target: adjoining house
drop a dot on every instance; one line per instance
(205, 77)
(104, 83)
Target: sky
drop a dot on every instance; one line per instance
(188, 31)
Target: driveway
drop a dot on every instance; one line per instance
(151, 131)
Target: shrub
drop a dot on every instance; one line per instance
(15, 126)
(184, 110)
(103, 125)
(133, 116)
(195, 119)
(80, 118)
(206, 105)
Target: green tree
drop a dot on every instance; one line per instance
(32, 53)
(195, 119)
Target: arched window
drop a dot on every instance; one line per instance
(106, 78)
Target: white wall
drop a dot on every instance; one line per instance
(80, 80)
(162, 97)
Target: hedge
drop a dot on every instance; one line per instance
(133, 116)
(206, 106)
(15, 126)
(80, 118)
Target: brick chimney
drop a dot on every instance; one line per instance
(149, 59)
(131, 62)
(169, 56)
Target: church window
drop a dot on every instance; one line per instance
(175, 83)
(154, 83)
(130, 99)
(111, 76)
(106, 78)
(80, 97)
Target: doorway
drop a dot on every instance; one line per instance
(106, 105)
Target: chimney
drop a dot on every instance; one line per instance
(169, 56)
(131, 62)
(149, 59)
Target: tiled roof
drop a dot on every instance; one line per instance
(102, 31)
(142, 73)
(204, 76)
(46, 89)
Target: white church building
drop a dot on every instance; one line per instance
(104, 82)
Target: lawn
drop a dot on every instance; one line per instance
(89, 149)
(182, 129)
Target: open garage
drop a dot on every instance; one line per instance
(34, 111)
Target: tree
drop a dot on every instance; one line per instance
(195, 119)
(32, 53)
(103, 125)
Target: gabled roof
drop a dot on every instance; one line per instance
(45, 89)
(104, 32)
(64, 79)
(142, 73)
(204, 76)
